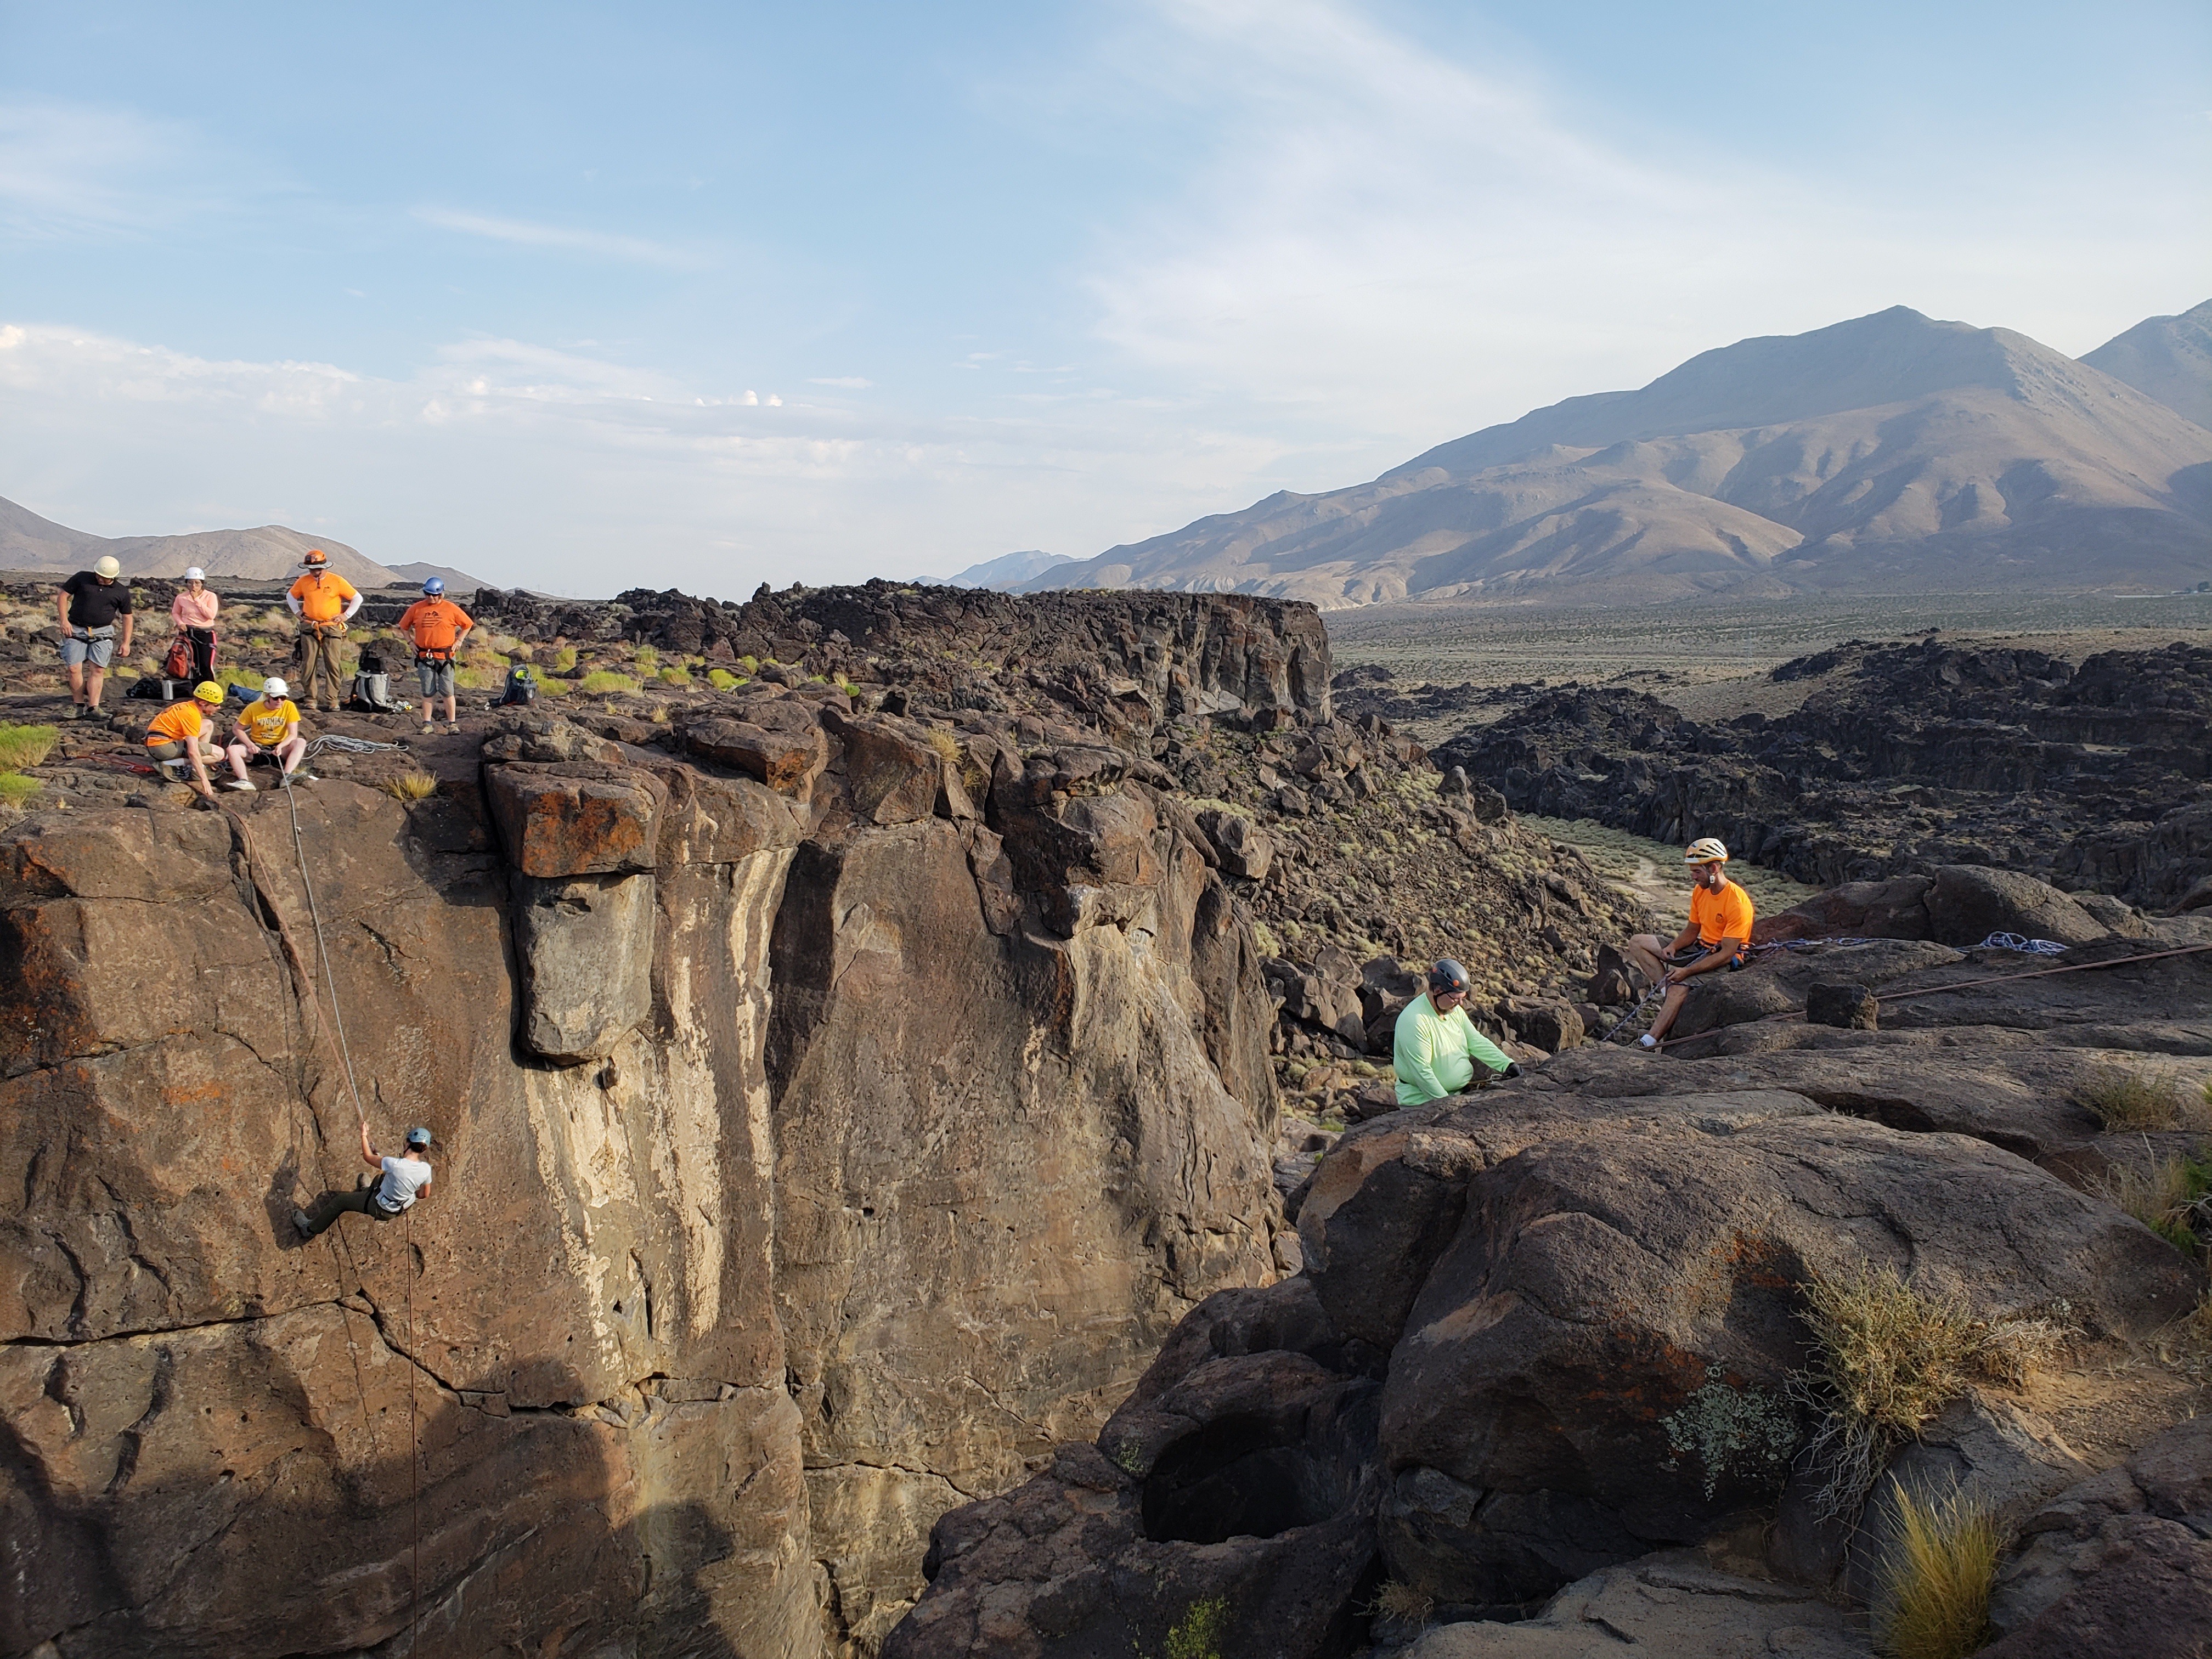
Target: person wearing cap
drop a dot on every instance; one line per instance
(193, 610)
(1436, 1046)
(268, 728)
(1717, 937)
(324, 602)
(399, 1182)
(177, 737)
(437, 626)
(92, 605)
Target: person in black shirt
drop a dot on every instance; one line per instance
(89, 605)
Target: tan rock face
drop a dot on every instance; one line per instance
(792, 1186)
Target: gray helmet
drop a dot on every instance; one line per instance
(418, 1136)
(1448, 978)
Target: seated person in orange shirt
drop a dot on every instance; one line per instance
(1718, 939)
(180, 736)
(269, 727)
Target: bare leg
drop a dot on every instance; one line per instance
(236, 755)
(1676, 996)
(95, 677)
(291, 752)
(1648, 952)
(77, 682)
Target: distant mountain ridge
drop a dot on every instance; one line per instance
(1892, 452)
(28, 542)
(2168, 358)
(1005, 573)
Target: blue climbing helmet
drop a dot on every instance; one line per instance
(418, 1136)
(434, 587)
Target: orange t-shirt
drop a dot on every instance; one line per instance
(434, 624)
(323, 595)
(1725, 915)
(180, 722)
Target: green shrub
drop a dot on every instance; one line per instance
(722, 680)
(15, 788)
(647, 659)
(676, 677)
(564, 659)
(2162, 1197)
(1199, 1632)
(25, 745)
(604, 680)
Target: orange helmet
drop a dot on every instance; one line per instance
(316, 559)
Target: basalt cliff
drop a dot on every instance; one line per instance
(845, 1072)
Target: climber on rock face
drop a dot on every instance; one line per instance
(392, 1193)
(1437, 1045)
(1716, 938)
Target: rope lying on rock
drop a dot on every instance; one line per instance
(1969, 984)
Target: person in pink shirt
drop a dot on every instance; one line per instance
(193, 610)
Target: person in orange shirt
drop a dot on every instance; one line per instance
(178, 737)
(324, 602)
(437, 626)
(1718, 939)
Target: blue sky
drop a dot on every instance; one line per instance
(580, 297)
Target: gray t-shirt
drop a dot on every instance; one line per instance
(403, 1178)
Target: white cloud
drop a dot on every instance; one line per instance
(633, 250)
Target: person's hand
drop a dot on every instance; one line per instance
(1513, 1069)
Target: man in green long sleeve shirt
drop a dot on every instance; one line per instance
(1437, 1045)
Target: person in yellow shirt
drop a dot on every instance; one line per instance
(177, 737)
(270, 727)
(324, 602)
(1718, 939)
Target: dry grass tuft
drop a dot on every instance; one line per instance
(2165, 1199)
(2153, 1099)
(1934, 1585)
(946, 745)
(1886, 1358)
(411, 787)
(25, 745)
(1401, 1602)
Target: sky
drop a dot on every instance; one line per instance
(585, 298)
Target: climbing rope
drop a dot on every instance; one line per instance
(359, 745)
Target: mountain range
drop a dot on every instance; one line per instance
(1005, 573)
(28, 542)
(1891, 453)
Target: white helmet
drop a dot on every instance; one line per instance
(107, 565)
(1705, 850)
(272, 688)
(196, 575)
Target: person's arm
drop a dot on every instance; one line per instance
(177, 609)
(291, 731)
(292, 599)
(1482, 1048)
(1719, 957)
(369, 1154)
(130, 620)
(351, 605)
(62, 611)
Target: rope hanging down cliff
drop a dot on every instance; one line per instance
(352, 1087)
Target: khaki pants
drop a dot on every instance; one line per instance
(318, 663)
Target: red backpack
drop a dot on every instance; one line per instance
(178, 665)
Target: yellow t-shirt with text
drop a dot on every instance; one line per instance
(264, 724)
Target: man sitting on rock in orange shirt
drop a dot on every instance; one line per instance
(324, 602)
(178, 737)
(1718, 939)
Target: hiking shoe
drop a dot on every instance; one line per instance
(425, 728)
(1647, 1041)
(243, 786)
(453, 725)
(174, 771)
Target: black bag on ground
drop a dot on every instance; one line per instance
(521, 687)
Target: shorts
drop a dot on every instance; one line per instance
(436, 679)
(97, 648)
(175, 749)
